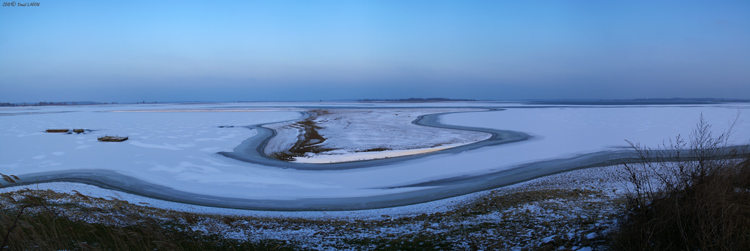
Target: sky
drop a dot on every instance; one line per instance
(132, 51)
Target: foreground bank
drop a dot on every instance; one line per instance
(571, 210)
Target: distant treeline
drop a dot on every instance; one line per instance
(54, 103)
(641, 101)
(415, 100)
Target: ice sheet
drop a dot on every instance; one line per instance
(178, 149)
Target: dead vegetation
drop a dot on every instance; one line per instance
(46, 220)
(695, 197)
(307, 141)
(68, 131)
(498, 220)
(57, 130)
(377, 149)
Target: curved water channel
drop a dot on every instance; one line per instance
(251, 150)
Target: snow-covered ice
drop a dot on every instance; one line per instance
(176, 146)
(352, 134)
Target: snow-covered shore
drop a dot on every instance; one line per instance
(572, 209)
(353, 134)
(177, 147)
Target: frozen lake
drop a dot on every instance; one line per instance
(174, 150)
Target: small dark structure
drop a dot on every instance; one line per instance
(58, 130)
(78, 130)
(112, 139)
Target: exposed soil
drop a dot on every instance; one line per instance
(307, 141)
(379, 149)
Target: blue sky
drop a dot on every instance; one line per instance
(312, 50)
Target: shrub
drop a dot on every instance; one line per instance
(690, 195)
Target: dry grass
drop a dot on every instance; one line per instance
(689, 199)
(710, 214)
(308, 141)
(45, 220)
(497, 220)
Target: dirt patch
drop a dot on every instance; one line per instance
(307, 141)
(57, 130)
(379, 149)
